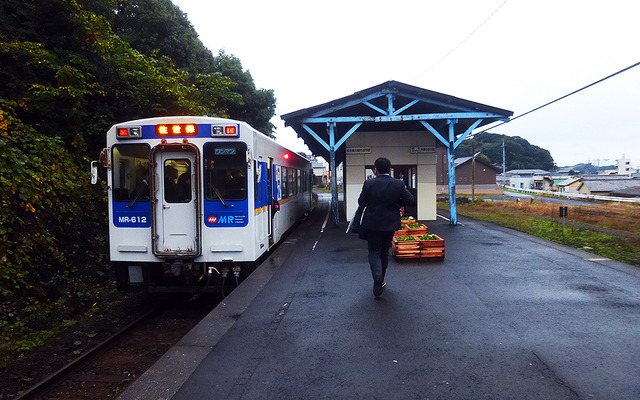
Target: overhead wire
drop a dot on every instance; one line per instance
(462, 42)
(562, 97)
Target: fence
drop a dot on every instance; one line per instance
(576, 196)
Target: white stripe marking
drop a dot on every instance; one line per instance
(325, 220)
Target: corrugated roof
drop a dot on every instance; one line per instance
(461, 160)
(633, 191)
(609, 185)
(528, 172)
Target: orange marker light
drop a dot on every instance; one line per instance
(230, 130)
(286, 156)
(123, 132)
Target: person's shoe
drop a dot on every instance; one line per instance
(378, 288)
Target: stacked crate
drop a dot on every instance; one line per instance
(413, 242)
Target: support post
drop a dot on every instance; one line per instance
(334, 177)
(452, 173)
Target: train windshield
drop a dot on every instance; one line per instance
(225, 171)
(131, 172)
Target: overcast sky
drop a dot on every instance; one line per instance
(514, 54)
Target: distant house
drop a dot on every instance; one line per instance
(605, 185)
(484, 179)
(528, 178)
(321, 174)
(569, 185)
(633, 191)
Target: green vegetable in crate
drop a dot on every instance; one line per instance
(428, 236)
(414, 225)
(405, 238)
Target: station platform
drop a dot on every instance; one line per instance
(503, 316)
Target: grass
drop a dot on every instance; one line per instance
(608, 230)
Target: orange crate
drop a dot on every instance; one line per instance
(433, 248)
(406, 231)
(418, 249)
(404, 248)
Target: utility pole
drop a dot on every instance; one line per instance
(504, 166)
(473, 176)
(473, 169)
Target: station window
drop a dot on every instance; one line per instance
(225, 171)
(131, 172)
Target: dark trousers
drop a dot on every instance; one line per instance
(379, 243)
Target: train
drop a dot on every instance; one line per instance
(196, 202)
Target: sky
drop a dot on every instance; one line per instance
(513, 54)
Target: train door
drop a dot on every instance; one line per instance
(175, 222)
(272, 197)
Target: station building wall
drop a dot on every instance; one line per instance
(401, 148)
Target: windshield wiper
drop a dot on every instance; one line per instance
(217, 192)
(138, 193)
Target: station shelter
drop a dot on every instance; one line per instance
(401, 122)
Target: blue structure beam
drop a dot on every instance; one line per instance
(467, 132)
(347, 104)
(400, 118)
(332, 165)
(378, 109)
(452, 173)
(401, 110)
(376, 95)
(315, 135)
(435, 133)
(349, 133)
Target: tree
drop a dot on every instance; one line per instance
(520, 154)
(67, 74)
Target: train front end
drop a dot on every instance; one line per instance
(181, 209)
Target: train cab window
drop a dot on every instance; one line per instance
(225, 171)
(177, 181)
(131, 172)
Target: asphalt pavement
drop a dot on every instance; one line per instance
(504, 316)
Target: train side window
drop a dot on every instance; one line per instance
(225, 171)
(285, 183)
(130, 172)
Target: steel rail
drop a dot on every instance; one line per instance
(57, 377)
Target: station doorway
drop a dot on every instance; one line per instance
(409, 174)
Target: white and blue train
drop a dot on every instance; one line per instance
(193, 200)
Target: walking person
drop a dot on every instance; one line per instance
(382, 196)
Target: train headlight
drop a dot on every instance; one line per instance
(129, 132)
(226, 130)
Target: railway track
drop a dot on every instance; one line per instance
(109, 367)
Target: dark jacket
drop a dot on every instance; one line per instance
(383, 196)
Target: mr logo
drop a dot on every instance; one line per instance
(225, 219)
